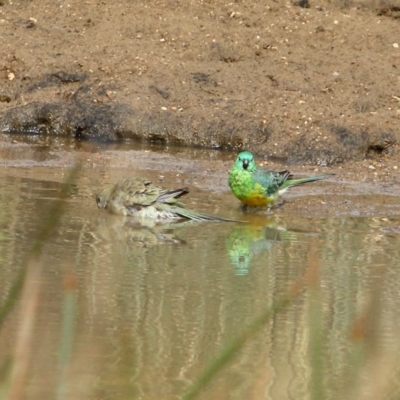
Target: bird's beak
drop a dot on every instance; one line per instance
(245, 163)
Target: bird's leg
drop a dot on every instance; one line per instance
(248, 209)
(244, 207)
(281, 203)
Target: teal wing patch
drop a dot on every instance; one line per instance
(270, 181)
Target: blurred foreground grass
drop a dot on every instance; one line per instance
(25, 292)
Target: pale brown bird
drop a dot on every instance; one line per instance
(140, 198)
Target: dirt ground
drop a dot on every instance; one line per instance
(309, 82)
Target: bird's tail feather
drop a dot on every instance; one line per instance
(293, 182)
(199, 216)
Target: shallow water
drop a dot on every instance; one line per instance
(151, 307)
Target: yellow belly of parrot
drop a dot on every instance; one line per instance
(257, 198)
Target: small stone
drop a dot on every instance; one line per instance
(163, 92)
(31, 22)
(396, 45)
(5, 98)
(10, 76)
(395, 167)
(371, 167)
(164, 108)
(111, 94)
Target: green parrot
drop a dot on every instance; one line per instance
(256, 187)
(140, 198)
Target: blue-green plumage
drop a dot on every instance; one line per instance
(255, 187)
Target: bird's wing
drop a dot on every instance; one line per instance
(140, 192)
(271, 181)
(169, 196)
(135, 192)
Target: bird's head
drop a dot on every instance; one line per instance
(245, 161)
(102, 198)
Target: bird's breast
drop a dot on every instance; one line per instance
(256, 196)
(248, 191)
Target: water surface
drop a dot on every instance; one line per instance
(153, 306)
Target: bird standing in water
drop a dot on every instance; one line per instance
(140, 198)
(256, 187)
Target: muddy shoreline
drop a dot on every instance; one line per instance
(308, 82)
